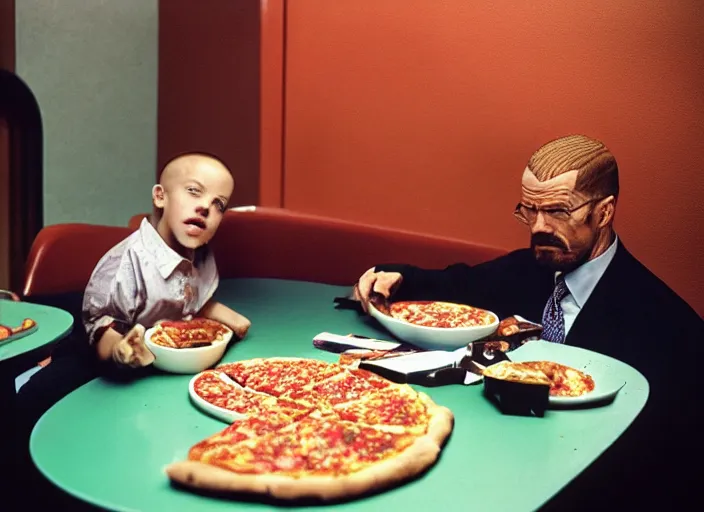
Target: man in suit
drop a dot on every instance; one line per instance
(581, 283)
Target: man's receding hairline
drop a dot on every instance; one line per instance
(538, 179)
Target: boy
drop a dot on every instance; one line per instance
(164, 270)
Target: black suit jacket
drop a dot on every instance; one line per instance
(632, 316)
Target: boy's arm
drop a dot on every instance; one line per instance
(110, 303)
(106, 343)
(221, 313)
(124, 350)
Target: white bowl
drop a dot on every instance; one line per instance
(186, 360)
(434, 338)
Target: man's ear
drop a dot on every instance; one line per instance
(158, 196)
(606, 211)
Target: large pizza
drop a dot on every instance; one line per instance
(311, 429)
(440, 314)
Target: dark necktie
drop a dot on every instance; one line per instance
(553, 319)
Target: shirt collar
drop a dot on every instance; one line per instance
(582, 281)
(167, 260)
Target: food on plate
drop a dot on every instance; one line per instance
(26, 324)
(7, 331)
(199, 332)
(501, 346)
(440, 314)
(313, 429)
(355, 356)
(380, 302)
(516, 372)
(516, 331)
(563, 380)
(511, 325)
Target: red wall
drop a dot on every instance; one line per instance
(422, 115)
(209, 86)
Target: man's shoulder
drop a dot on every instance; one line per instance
(646, 290)
(519, 259)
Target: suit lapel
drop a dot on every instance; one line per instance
(600, 315)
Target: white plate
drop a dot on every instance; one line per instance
(608, 380)
(218, 412)
(433, 338)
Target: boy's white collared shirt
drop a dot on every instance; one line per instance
(143, 280)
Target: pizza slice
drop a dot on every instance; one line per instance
(211, 387)
(239, 370)
(5, 332)
(278, 376)
(376, 381)
(516, 372)
(564, 380)
(308, 399)
(341, 387)
(26, 324)
(239, 431)
(440, 314)
(305, 448)
(198, 332)
(396, 409)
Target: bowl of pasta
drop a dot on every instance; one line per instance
(187, 346)
(434, 325)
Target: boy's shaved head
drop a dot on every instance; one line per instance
(185, 165)
(190, 200)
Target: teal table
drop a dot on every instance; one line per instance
(107, 443)
(17, 355)
(52, 325)
(20, 354)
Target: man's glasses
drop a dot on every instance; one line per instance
(528, 214)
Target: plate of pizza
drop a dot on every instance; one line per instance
(304, 428)
(8, 333)
(435, 325)
(574, 375)
(187, 346)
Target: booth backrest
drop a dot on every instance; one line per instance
(278, 243)
(63, 257)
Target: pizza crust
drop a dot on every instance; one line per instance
(412, 461)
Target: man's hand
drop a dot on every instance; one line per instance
(371, 282)
(131, 350)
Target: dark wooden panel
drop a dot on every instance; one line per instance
(209, 86)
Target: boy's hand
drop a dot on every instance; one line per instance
(240, 326)
(220, 313)
(131, 350)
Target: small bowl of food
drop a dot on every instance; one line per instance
(187, 346)
(434, 325)
(517, 388)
